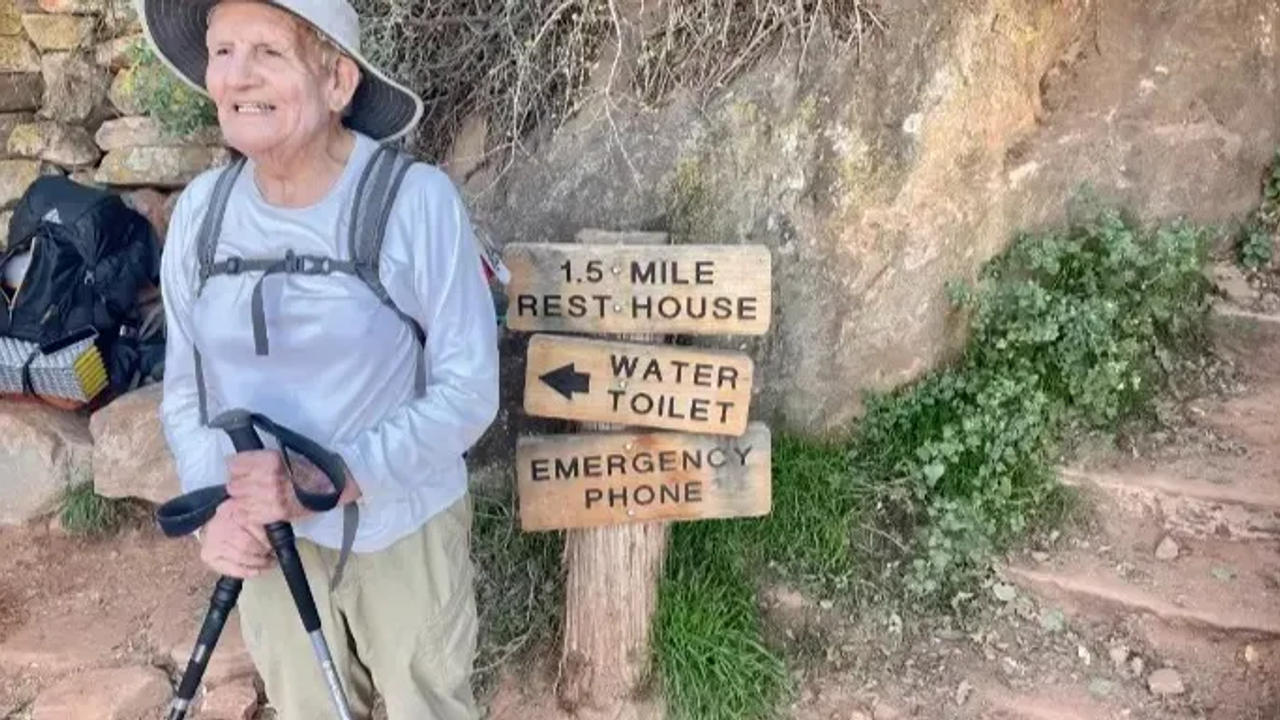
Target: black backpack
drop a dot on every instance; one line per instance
(90, 255)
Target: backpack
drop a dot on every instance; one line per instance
(88, 255)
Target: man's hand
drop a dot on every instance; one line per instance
(232, 545)
(261, 482)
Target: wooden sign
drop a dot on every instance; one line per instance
(575, 481)
(632, 384)
(660, 289)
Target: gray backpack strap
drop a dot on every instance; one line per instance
(371, 210)
(375, 195)
(211, 226)
(206, 247)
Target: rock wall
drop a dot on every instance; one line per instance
(68, 105)
(876, 180)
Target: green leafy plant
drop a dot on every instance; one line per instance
(1070, 330)
(1256, 248)
(178, 108)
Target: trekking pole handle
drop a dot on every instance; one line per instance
(244, 437)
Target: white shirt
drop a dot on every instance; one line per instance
(340, 369)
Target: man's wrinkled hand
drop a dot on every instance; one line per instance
(232, 545)
(260, 481)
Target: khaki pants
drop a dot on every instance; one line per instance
(403, 620)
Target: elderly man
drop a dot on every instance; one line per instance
(398, 385)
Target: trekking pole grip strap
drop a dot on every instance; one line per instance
(187, 513)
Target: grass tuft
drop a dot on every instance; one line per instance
(86, 513)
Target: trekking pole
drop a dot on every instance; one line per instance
(188, 512)
(239, 425)
(225, 594)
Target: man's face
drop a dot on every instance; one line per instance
(264, 78)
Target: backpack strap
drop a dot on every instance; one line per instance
(206, 248)
(371, 209)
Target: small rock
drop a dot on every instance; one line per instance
(10, 121)
(826, 604)
(1137, 666)
(16, 177)
(10, 25)
(913, 123)
(58, 32)
(1004, 592)
(152, 205)
(158, 166)
(68, 146)
(1167, 549)
(1085, 656)
(1166, 681)
(1053, 620)
(140, 131)
(123, 93)
(963, 692)
(18, 56)
(859, 715)
(73, 86)
(80, 7)
(1119, 655)
(234, 701)
(1250, 654)
(21, 91)
(1040, 556)
(114, 54)
(1101, 688)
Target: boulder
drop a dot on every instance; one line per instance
(237, 701)
(130, 455)
(79, 7)
(119, 17)
(123, 93)
(142, 131)
(73, 86)
(10, 19)
(9, 121)
(114, 54)
(158, 166)
(68, 146)
(1166, 681)
(20, 91)
(58, 32)
(153, 205)
(42, 452)
(129, 693)
(18, 55)
(15, 177)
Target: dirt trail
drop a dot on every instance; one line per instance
(1166, 606)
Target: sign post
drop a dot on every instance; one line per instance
(668, 431)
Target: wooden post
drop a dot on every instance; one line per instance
(612, 587)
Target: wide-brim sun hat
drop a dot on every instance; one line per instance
(380, 108)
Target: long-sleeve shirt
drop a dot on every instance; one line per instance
(341, 364)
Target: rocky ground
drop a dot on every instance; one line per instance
(1162, 603)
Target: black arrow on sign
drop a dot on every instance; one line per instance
(567, 381)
